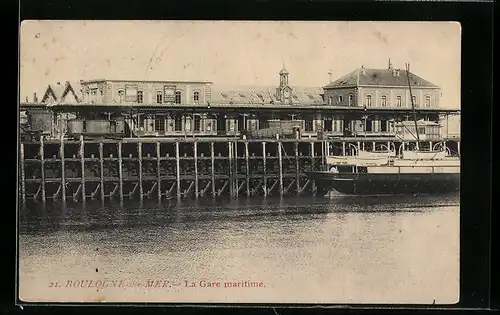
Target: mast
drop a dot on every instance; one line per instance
(412, 105)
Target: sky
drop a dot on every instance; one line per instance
(235, 53)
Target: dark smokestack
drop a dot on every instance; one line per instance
(35, 98)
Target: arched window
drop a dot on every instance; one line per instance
(368, 100)
(140, 96)
(330, 100)
(427, 101)
(414, 100)
(159, 97)
(398, 101)
(340, 99)
(196, 97)
(383, 101)
(178, 97)
(121, 95)
(351, 97)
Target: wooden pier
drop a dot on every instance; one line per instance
(165, 168)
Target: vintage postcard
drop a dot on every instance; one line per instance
(239, 162)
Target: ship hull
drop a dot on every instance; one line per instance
(366, 184)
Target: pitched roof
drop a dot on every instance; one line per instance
(263, 95)
(379, 77)
(56, 90)
(76, 86)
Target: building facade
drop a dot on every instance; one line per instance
(364, 102)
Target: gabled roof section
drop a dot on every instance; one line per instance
(380, 77)
(72, 91)
(53, 93)
(263, 95)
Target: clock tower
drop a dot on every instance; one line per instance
(284, 91)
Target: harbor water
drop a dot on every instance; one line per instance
(343, 249)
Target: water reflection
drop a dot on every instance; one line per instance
(335, 249)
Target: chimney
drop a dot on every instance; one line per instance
(58, 83)
(363, 71)
(27, 100)
(35, 99)
(390, 64)
(330, 76)
(394, 72)
(397, 72)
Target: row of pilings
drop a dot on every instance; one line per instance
(168, 168)
(188, 168)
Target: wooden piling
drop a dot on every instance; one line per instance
(373, 146)
(82, 160)
(230, 157)
(343, 148)
(297, 178)
(235, 170)
(42, 163)
(120, 170)
(247, 169)
(280, 161)
(265, 167)
(139, 152)
(313, 183)
(101, 162)
(178, 170)
(196, 187)
(63, 168)
(23, 174)
(212, 158)
(158, 170)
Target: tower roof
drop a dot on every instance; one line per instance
(284, 71)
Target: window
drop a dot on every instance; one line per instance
(121, 95)
(178, 123)
(383, 101)
(340, 99)
(330, 100)
(197, 123)
(368, 100)
(427, 101)
(160, 123)
(178, 97)
(140, 96)
(159, 97)
(414, 100)
(350, 99)
(308, 125)
(196, 97)
(398, 101)
(421, 130)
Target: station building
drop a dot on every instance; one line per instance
(364, 102)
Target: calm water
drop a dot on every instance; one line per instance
(392, 249)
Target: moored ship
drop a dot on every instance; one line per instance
(398, 176)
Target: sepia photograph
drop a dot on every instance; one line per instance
(304, 162)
